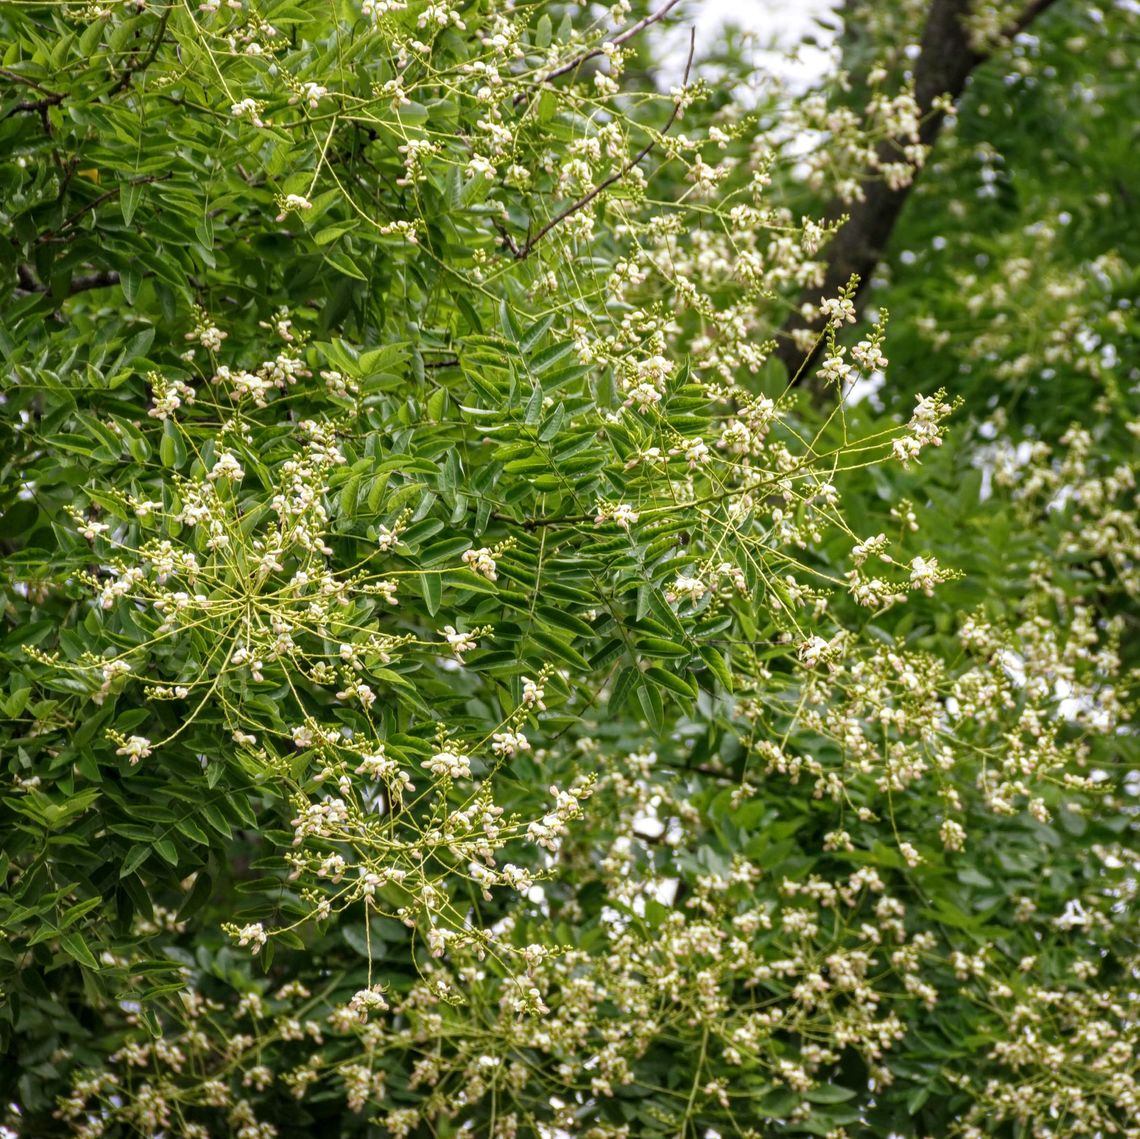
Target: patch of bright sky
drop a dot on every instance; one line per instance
(782, 32)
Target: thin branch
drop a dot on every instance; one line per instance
(95, 203)
(1032, 11)
(27, 280)
(124, 80)
(26, 81)
(508, 241)
(617, 41)
(523, 252)
(32, 106)
(101, 279)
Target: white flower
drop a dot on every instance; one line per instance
(835, 370)
(624, 515)
(303, 736)
(869, 356)
(480, 167)
(517, 877)
(227, 467)
(643, 396)
(812, 651)
(367, 1001)
(460, 642)
(953, 835)
(448, 763)
(906, 449)
(837, 310)
(481, 562)
(863, 550)
(695, 451)
(310, 93)
(293, 202)
(376, 766)
(925, 574)
(532, 695)
(135, 748)
(687, 587)
(338, 384)
(361, 691)
(211, 337)
(252, 935)
(247, 109)
(509, 743)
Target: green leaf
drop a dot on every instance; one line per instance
(829, 1093)
(136, 856)
(534, 334)
(198, 896)
(342, 263)
(718, 666)
(432, 589)
(553, 424)
(74, 913)
(650, 700)
(74, 945)
(622, 688)
(670, 681)
(130, 194)
(331, 232)
(663, 611)
(507, 322)
(560, 649)
(534, 406)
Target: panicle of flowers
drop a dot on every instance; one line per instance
(924, 428)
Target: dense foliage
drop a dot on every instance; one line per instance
(455, 679)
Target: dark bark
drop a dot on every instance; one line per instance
(943, 68)
(27, 282)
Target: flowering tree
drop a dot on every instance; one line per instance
(456, 680)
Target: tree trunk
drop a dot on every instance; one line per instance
(944, 65)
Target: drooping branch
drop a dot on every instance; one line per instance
(944, 66)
